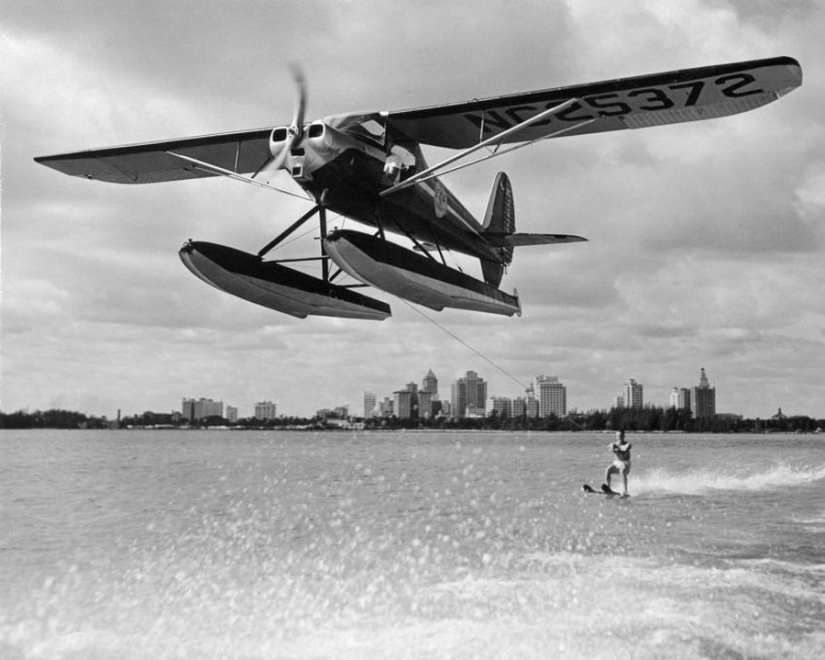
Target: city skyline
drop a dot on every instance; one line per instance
(549, 396)
(705, 239)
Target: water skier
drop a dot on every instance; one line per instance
(621, 462)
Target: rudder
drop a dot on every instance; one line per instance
(500, 219)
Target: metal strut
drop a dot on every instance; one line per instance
(322, 221)
(306, 216)
(321, 210)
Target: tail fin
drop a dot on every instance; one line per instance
(500, 219)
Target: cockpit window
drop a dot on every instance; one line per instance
(370, 126)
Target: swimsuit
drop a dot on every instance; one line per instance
(620, 464)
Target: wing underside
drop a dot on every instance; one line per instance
(154, 162)
(638, 102)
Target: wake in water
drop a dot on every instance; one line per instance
(696, 482)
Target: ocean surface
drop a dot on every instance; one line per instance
(267, 545)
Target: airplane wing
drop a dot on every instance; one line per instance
(651, 100)
(152, 162)
(638, 102)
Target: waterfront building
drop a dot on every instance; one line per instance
(703, 398)
(526, 406)
(469, 392)
(552, 397)
(430, 384)
(386, 408)
(406, 402)
(501, 406)
(684, 399)
(425, 404)
(195, 410)
(475, 412)
(232, 414)
(265, 410)
(369, 405)
(339, 412)
(634, 395)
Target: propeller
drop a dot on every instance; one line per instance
(295, 131)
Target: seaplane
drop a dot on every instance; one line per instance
(369, 167)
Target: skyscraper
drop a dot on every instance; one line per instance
(704, 398)
(552, 396)
(430, 384)
(406, 402)
(425, 404)
(684, 399)
(634, 398)
(369, 405)
(469, 395)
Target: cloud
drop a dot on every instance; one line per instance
(705, 240)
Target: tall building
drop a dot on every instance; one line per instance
(552, 396)
(502, 406)
(469, 393)
(195, 410)
(369, 405)
(430, 384)
(265, 410)
(232, 414)
(684, 399)
(633, 395)
(425, 404)
(386, 408)
(704, 398)
(406, 402)
(525, 406)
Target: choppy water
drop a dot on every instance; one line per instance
(174, 544)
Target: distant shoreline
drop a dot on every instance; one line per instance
(646, 420)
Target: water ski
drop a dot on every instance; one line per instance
(604, 491)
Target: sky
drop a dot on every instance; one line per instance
(706, 240)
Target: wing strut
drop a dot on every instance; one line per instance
(497, 140)
(215, 169)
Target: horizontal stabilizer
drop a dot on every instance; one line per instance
(521, 240)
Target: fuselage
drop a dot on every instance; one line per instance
(349, 171)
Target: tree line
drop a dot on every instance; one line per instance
(648, 419)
